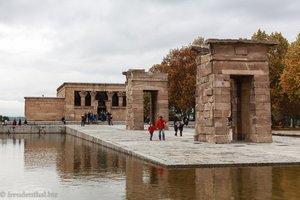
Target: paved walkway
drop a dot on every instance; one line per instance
(183, 152)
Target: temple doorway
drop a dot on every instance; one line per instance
(101, 97)
(150, 104)
(138, 84)
(241, 87)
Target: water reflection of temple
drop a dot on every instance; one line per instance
(76, 158)
(201, 183)
(71, 156)
(82, 157)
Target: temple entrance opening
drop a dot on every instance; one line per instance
(150, 104)
(101, 97)
(239, 120)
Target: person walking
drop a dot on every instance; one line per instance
(63, 120)
(109, 118)
(181, 125)
(186, 121)
(176, 126)
(151, 130)
(83, 119)
(160, 125)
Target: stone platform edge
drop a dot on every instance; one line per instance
(148, 159)
(113, 146)
(33, 129)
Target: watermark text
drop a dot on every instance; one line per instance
(23, 194)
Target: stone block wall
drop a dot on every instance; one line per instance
(54, 108)
(73, 112)
(137, 82)
(233, 83)
(44, 108)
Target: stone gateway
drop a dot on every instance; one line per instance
(137, 83)
(232, 92)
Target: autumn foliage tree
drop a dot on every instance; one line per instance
(276, 57)
(180, 65)
(290, 81)
(290, 78)
(284, 66)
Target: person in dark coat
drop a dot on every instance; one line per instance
(176, 128)
(14, 122)
(186, 121)
(181, 125)
(83, 119)
(175, 125)
(63, 120)
(109, 118)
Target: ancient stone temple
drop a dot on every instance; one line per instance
(124, 101)
(232, 93)
(138, 82)
(76, 99)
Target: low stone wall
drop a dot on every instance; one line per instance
(71, 122)
(44, 108)
(36, 129)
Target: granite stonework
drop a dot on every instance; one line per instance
(138, 82)
(232, 92)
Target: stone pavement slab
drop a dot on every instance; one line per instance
(286, 132)
(184, 152)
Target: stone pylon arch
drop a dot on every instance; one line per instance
(233, 93)
(137, 82)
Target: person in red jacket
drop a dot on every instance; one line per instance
(160, 125)
(151, 130)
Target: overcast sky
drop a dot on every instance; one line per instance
(44, 43)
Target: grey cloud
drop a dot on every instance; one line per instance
(95, 40)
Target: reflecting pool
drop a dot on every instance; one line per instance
(57, 166)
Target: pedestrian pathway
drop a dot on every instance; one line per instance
(184, 152)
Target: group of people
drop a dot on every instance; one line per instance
(90, 118)
(178, 125)
(160, 126)
(14, 122)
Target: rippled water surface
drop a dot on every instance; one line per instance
(64, 167)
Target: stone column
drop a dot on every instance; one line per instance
(82, 96)
(108, 102)
(121, 95)
(94, 102)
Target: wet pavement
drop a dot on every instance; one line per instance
(184, 152)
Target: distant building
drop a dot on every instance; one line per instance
(75, 99)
